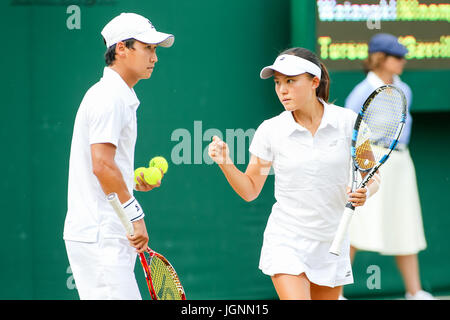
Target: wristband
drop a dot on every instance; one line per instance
(373, 187)
(367, 192)
(133, 210)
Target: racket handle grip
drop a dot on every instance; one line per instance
(341, 231)
(113, 199)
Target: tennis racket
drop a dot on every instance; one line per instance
(162, 280)
(375, 134)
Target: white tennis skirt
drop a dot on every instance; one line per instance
(390, 222)
(287, 252)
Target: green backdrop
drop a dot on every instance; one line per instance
(208, 80)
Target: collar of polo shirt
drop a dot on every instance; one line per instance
(328, 118)
(376, 81)
(291, 65)
(127, 93)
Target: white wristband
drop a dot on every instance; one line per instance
(133, 210)
(373, 187)
(367, 192)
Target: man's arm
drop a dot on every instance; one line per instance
(108, 174)
(111, 180)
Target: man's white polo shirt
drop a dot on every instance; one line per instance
(311, 172)
(107, 114)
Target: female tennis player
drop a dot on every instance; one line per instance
(308, 146)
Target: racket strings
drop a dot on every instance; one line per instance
(165, 280)
(379, 127)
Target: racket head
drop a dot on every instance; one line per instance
(162, 280)
(378, 127)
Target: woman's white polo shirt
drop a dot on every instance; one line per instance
(311, 172)
(311, 176)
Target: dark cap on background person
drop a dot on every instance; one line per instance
(387, 43)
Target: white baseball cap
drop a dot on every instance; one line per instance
(291, 65)
(134, 26)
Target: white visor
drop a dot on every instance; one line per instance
(291, 65)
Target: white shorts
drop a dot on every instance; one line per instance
(285, 251)
(104, 270)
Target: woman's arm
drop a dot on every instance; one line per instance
(247, 185)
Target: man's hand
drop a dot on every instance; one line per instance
(140, 238)
(144, 186)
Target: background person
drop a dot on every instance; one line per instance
(391, 221)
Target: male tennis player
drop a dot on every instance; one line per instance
(102, 161)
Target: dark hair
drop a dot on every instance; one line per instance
(110, 54)
(323, 90)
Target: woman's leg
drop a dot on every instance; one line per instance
(292, 287)
(409, 268)
(324, 293)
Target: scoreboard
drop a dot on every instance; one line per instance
(344, 28)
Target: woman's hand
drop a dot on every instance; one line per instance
(358, 197)
(219, 152)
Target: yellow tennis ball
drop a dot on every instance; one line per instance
(160, 163)
(152, 175)
(138, 172)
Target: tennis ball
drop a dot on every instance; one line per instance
(138, 172)
(152, 175)
(160, 163)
